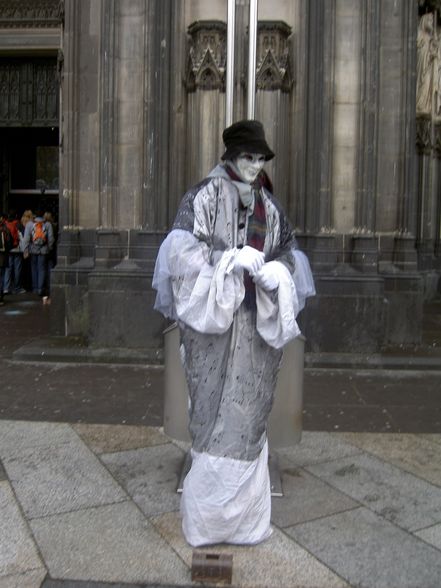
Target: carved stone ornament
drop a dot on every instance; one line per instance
(274, 70)
(423, 135)
(31, 13)
(207, 56)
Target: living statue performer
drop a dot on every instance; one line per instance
(230, 274)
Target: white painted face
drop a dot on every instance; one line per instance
(249, 165)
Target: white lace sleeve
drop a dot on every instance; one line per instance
(303, 279)
(190, 289)
(277, 311)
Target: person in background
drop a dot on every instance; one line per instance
(52, 257)
(38, 242)
(27, 216)
(12, 279)
(5, 247)
(26, 278)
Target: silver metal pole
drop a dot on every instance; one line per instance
(252, 28)
(229, 82)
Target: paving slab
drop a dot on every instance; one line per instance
(32, 579)
(113, 543)
(434, 437)
(318, 447)
(305, 498)
(150, 475)
(402, 498)
(276, 562)
(431, 535)
(412, 453)
(17, 435)
(49, 583)
(59, 476)
(114, 438)
(369, 551)
(18, 553)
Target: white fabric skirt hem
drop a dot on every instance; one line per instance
(226, 500)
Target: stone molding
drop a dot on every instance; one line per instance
(207, 56)
(31, 13)
(274, 71)
(423, 135)
(437, 140)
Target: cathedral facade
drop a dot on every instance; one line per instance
(128, 97)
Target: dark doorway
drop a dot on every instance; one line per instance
(29, 134)
(30, 169)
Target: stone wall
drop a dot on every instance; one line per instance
(143, 111)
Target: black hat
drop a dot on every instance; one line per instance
(245, 136)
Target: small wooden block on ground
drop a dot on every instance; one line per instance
(212, 567)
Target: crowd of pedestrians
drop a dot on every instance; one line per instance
(27, 253)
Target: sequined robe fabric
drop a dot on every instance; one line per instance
(231, 376)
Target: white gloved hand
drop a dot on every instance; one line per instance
(268, 276)
(249, 259)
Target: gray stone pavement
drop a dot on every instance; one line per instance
(85, 505)
(88, 478)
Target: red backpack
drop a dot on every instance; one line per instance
(12, 226)
(39, 234)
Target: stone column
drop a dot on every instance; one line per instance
(68, 205)
(424, 220)
(156, 148)
(108, 115)
(319, 78)
(437, 152)
(274, 83)
(428, 108)
(408, 194)
(116, 168)
(178, 111)
(365, 201)
(205, 83)
(402, 284)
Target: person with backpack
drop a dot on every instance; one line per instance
(38, 243)
(12, 278)
(5, 247)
